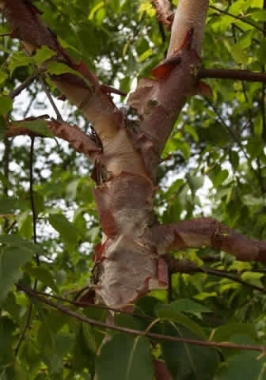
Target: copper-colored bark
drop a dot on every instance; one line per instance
(83, 89)
(128, 261)
(78, 139)
(164, 12)
(189, 15)
(210, 233)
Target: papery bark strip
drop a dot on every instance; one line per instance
(206, 232)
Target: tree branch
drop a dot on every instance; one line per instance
(24, 85)
(236, 17)
(159, 102)
(51, 100)
(207, 232)
(164, 12)
(245, 75)
(80, 303)
(30, 292)
(188, 267)
(188, 15)
(80, 86)
(78, 139)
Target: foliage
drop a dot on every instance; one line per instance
(214, 164)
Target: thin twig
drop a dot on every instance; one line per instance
(32, 203)
(135, 332)
(188, 267)
(96, 306)
(250, 119)
(25, 328)
(28, 81)
(6, 163)
(34, 217)
(27, 110)
(236, 17)
(229, 130)
(51, 100)
(234, 136)
(244, 75)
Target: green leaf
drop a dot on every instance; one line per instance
(5, 182)
(183, 147)
(168, 312)
(58, 68)
(192, 132)
(93, 234)
(19, 59)
(204, 295)
(5, 105)
(67, 230)
(88, 335)
(55, 358)
(71, 189)
(188, 361)
(31, 355)
(38, 125)
(117, 5)
(42, 274)
(3, 76)
(7, 328)
(25, 228)
(11, 305)
(38, 202)
(11, 259)
(125, 357)
(253, 278)
(261, 52)
(7, 331)
(195, 182)
(9, 204)
(146, 7)
(246, 365)
(218, 175)
(96, 9)
(238, 54)
(2, 127)
(259, 14)
(145, 55)
(258, 126)
(43, 54)
(87, 339)
(225, 332)
(186, 305)
(16, 241)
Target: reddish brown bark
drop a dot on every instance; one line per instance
(78, 139)
(127, 263)
(207, 232)
(160, 370)
(164, 12)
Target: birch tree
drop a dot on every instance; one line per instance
(126, 317)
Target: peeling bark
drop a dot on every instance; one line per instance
(164, 12)
(206, 232)
(189, 15)
(128, 262)
(83, 89)
(78, 139)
